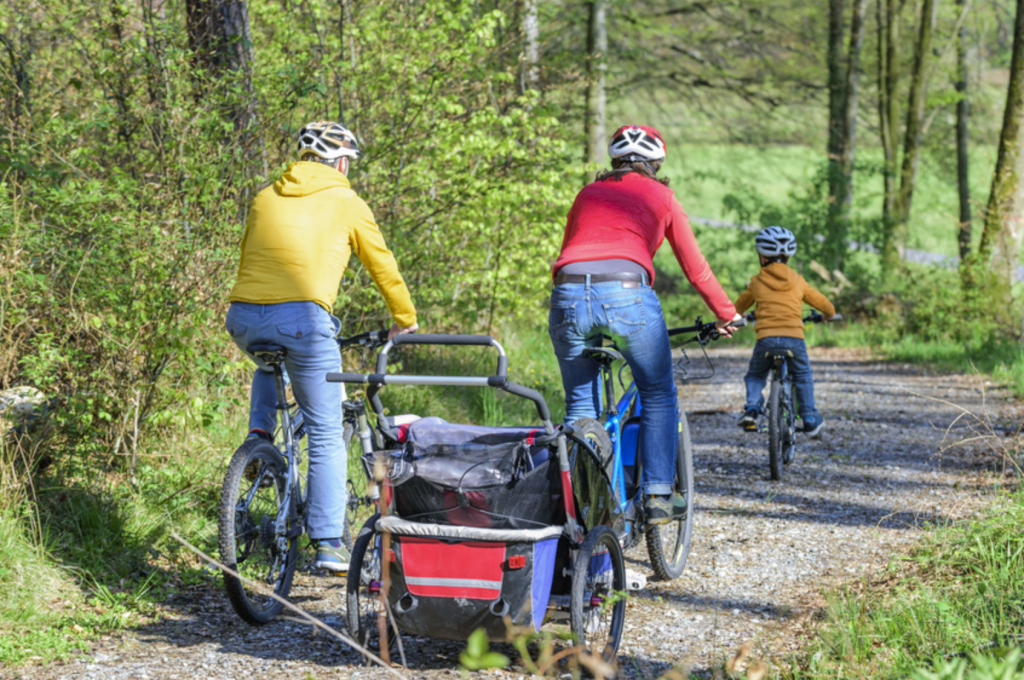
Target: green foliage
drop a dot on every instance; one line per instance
(959, 595)
(476, 656)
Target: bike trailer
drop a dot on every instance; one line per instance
(487, 477)
(447, 581)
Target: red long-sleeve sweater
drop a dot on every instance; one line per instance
(628, 220)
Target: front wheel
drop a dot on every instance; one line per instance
(668, 545)
(597, 607)
(251, 498)
(776, 429)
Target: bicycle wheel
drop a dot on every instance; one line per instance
(595, 434)
(788, 425)
(251, 499)
(597, 608)
(668, 545)
(776, 433)
(363, 589)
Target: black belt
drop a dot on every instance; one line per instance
(628, 279)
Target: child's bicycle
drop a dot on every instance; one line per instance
(779, 416)
(263, 497)
(616, 437)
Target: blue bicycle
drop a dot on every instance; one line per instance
(615, 439)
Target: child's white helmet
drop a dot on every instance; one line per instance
(328, 140)
(775, 241)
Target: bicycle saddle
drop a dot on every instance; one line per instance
(268, 352)
(778, 354)
(602, 355)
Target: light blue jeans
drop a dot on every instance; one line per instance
(580, 314)
(308, 333)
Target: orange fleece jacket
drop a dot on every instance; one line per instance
(779, 293)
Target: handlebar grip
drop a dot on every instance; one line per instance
(739, 323)
(442, 339)
(834, 318)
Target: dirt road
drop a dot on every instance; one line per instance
(762, 554)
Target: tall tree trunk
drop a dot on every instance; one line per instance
(896, 238)
(530, 74)
(341, 61)
(597, 65)
(836, 119)
(1004, 216)
(837, 242)
(964, 189)
(888, 106)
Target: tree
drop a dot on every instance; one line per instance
(1004, 214)
(898, 231)
(963, 187)
(887, 13)
(597, 66)
(836, 116)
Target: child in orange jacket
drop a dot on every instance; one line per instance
(779, 293)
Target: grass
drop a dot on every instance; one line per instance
(954, 606)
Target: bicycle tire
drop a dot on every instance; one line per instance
(360, 606)
(245, 539)
(592, 581)
(669, 563)
(775, 433)
(594, 433)
(789, 421)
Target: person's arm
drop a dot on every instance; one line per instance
(818, 301)
(695, 267)
(744, 301)
(368, 245)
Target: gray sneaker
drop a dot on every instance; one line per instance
(332, 555)
(813, 430)
(664, 509)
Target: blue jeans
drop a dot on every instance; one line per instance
(580, 313)
(799, 367)
(307, 332)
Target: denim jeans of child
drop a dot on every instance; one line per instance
(799, 367)
(307, 331)
(580, 314)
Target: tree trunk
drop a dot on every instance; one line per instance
(837, 242)
(836, 119)
(896, 238)
(597, 49)
(341, 61)
(1001, 237)
(964, 232)
(530, 74)
(888, 107)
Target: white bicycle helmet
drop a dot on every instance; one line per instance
(775, 241)
(328, 140)
(637, 143)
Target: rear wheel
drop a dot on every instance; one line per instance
(251, 498)
(668, 545)
(788, 424)
(595, 435)
(597, 607)
(363, 589)
(776, 429)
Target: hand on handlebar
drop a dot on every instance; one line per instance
(727, 328)
(402, 330)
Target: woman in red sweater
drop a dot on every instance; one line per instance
(603, 280)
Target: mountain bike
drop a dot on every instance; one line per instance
(779, 417)
(616, 437)
(263, 497)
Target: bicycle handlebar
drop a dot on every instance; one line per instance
(705, 331)
(813, 317)
(371, 340)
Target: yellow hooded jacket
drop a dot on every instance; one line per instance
(780, 294)
(302, 231)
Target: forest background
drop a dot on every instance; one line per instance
(134, 133)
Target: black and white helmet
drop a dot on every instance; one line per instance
(328, 140)
(775, 241)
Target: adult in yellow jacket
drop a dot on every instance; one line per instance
(780, 294)
(298, 240)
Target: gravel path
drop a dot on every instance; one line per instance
(762, 551)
